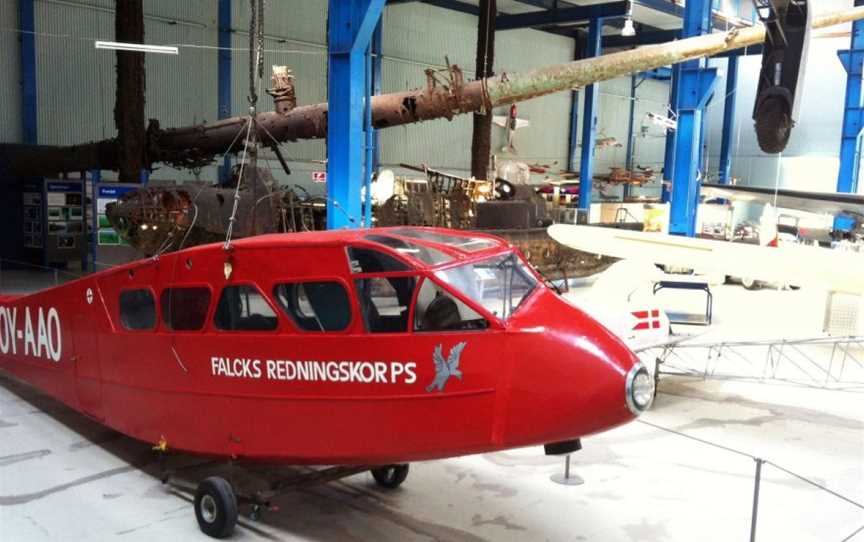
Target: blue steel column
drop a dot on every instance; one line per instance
(350, 27)
(729, 120)
(697, 84)
(574, 116)
(224, 76)
(669, 154)
(589, 124)
(27, 26)
(850, 148)
(377, 62)
(368, 143)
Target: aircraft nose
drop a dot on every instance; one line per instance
(611, 365)
(578, 378)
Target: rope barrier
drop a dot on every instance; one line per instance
(759, 462)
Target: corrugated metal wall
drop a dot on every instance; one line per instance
(10, 80)
(76, 82)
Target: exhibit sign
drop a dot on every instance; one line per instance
(105, 194)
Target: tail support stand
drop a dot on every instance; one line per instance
(565, 448)
(756, 498)
(567, 478)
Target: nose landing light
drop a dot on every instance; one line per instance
(639, 389)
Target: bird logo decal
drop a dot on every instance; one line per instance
(444, 369)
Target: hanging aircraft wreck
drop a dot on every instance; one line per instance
(446, 95)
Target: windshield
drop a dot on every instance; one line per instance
(499, 284)
(466, 243)
(427, 255)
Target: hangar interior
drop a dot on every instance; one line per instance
(682, 173)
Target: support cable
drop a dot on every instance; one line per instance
(256, 69)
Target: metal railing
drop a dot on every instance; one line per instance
(823, 362)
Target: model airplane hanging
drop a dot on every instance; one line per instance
(663, 121)
(362, 348)
(512, 123)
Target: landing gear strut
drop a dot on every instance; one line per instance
(217, 502)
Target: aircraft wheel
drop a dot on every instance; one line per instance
(391, 476)
(773, 125)
(216, 507)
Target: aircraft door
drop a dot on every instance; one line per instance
(88, 372)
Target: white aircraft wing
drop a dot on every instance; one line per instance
(834, 270)
(522, 123)
(815, 202)
(500, 120)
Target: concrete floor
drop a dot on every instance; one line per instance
(65, 477)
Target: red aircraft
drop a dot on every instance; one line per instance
(360, 348)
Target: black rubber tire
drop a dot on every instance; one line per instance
(216, 507)
(773, 125)
(391, 476)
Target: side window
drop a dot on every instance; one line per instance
(315, 306)
(243, 308)
(185, 309)
(365, 260)
(137, 310)
(384, 302)
(437, 310)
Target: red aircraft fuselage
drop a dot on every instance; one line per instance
(356, 347)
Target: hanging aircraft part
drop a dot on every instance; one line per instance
(160, 219)
(446, 95)
(781, 81)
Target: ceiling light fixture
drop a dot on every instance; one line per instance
(137, 47)
(629, 30)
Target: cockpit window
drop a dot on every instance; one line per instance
(365, 260)
(185, 308)
(426, 255)
(499, 284)
(438, 310)
(467, 243)
(315, 306)
(384, 302)
(243, 308)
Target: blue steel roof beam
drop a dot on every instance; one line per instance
(641, 38)
(564, 15)
(547, 4)
(470, 9)
(672, 8)
(453, 5)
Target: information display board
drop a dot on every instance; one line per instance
(32, 224)
(64, 222)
